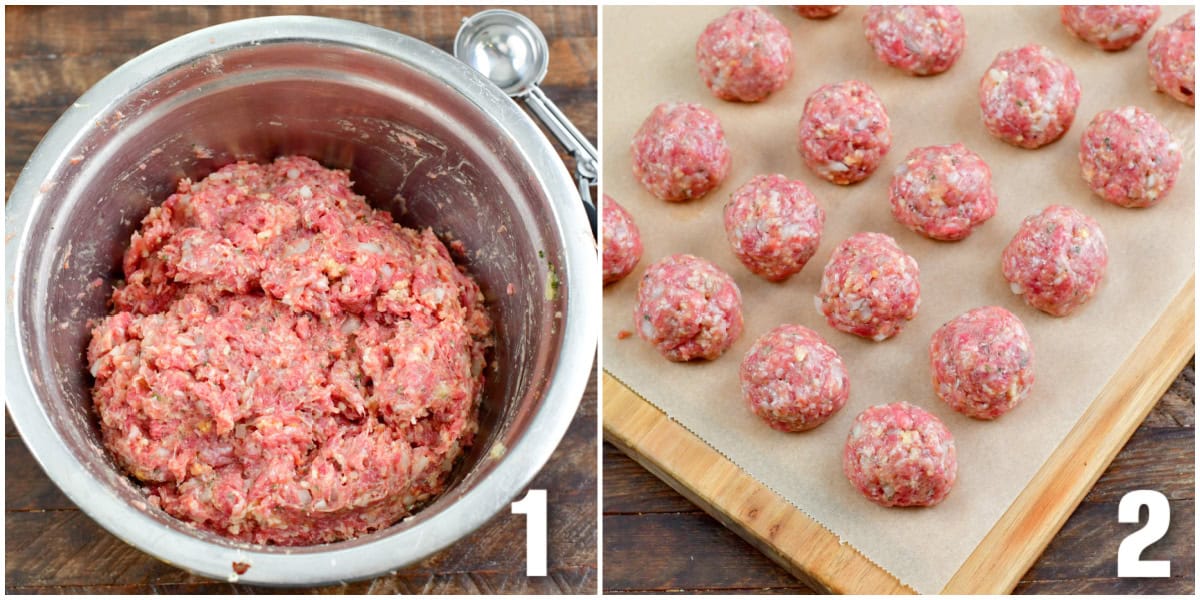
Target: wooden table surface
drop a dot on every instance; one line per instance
(53, 55)
(657, 541)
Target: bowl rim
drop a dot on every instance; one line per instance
(510, 475)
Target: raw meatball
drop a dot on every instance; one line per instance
(1113, 27)
(745, 55)
(774, 226)
(1056, 260)
(900, 455)
(1129, 158)
(680, 153)
(870, 288)
(688, 308)
(793, 380)
(814, 11)
(920, 40)
(844, 132)
(1173, 59)
(284, 364)
(622, 241)
(982, 362)
(942, 192)
(1028, 96)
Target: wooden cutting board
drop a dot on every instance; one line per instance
(817, 556)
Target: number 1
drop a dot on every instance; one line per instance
(533, 506)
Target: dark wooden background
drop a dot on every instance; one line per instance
(53, 55)
(656, 541)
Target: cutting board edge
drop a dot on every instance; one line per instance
(1019, 537)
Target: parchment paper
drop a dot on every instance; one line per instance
(649, 57)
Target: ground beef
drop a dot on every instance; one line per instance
(745, 55)
(1028, 96)
(919, 40)
(688, 308)
(982, 362)
(814, 11)
(1056, 260)
(1128, 157)
(942, 192)
(1172, 53)
(899, 455)
(870, 287)
(1112, 27)
(680, 153)
(774, 226)
(622, 242)
(284, 364)
(844, 132)
(793, 380)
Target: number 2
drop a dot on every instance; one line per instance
(1129, 554)
(533, 506)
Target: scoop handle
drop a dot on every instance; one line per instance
(561, 127)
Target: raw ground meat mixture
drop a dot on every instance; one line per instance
(844, 132)
(920, 40)
(1128, 158)
(774, 226)
(817, 11)
(793, 380)
(1028, 96)
(688, 308)
(679, 152)
(942, 192)
(284, 364)
(982, 362)
(900, 455)
(745, 55)
(1112, 27)
(1056, 260)
(622, 242)
(870, 287)
(1172, 53)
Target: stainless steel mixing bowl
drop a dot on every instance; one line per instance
(423, 135)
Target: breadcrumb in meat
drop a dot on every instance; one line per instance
(745, 55)
(1109, 27)
(1128, 158)
(1172, 53)
(680, 152)
(285, 364)
(900, 455)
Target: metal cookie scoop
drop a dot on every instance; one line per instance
(512, 52)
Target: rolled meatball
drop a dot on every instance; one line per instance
(919, 40)
(745, 55)
(1111, 27)
(1128, 157)
(793, 380)
(688, 308)
(1028, 96)
(813, 11)
(680, 153)
(982, 362)
(900, 455)
(870, 287)
(774, 226)
(942, 192)
(1056, 260)
(1173, 59)
(622, 242)
(844, 132)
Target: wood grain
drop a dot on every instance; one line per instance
(695, 471)
(53, 54)
(772, 525)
